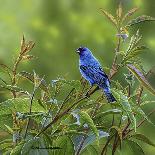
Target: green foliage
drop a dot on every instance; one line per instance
(58, 118)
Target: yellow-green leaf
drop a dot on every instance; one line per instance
(129, 13)
(87, 119)
(110, 17)
(140, 19)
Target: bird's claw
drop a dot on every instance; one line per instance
(87, 95)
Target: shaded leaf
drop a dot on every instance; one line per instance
(141, 113)
(91, 150)
(139, 75)
(30, 146)
(119, 132)
(142, 138)
(89, 140)
(135, 147)
(140, 19)
(147, 102)
(65, 146)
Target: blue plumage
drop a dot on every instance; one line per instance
(91, 70)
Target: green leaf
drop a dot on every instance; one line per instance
(139, 75)
(147, 102)
(133, 53)
(124, 103)
(17, 149)
(142, 138)
(9, 129)
(30, 77)
(129, 13)
(87, 119)
(28, 57)
(119, 132)
(119, 11)
(66, 146)
(90, 150)
(140, 19)
(111, 111)
(140, 112)
(73, 83)
(15, 89)
(20, 105)
(30, 146)
(110, 17)
(135, 147)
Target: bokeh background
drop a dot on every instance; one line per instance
(58, 27)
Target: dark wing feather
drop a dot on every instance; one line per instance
(95, 73)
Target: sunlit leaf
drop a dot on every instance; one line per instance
(140, 19)
(28, 57)
(73, 83)
(119, 11)
(17, 149)
(15, 89)
(139, 75)
(10, 130)
(87, 119)
(110, 17)
(19, 104)
(30, 77)
(134, 52)
(129, 13)
(104, 113)
(124, 103)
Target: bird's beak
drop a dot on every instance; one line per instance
(77, 51)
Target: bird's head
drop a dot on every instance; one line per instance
(83, 51)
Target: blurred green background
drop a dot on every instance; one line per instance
(58, 27)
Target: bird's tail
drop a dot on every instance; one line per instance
(110, 97)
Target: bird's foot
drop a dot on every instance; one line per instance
(87, 94)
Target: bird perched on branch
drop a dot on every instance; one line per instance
(92, 71)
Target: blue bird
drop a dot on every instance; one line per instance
(92, 71)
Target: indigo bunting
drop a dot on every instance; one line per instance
(92, 71)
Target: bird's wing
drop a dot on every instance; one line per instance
(94, 72)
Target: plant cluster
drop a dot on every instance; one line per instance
(45, 121)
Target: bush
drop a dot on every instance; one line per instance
(46, 122)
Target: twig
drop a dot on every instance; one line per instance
(14, 71)
(106, 144)
(30, 111)
(60, 115)
(140, 123)
(81, 145)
